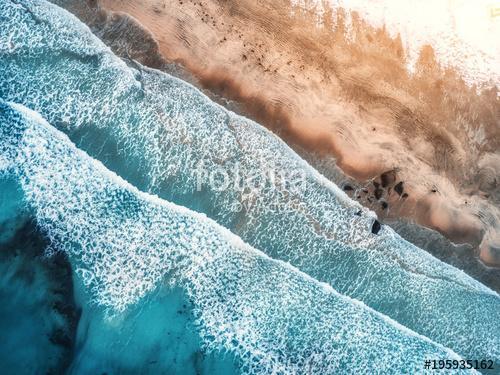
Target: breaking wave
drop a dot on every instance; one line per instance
(123, 244)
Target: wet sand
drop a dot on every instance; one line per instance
(425, 147)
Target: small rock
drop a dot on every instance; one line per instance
(348, 187)
(388, 178)
(399, 188)
(376, 227)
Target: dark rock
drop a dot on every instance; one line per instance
(384, 205)
(348, 187)
(358, 213)
(399, 188)
(388, 178)
(404, 196)
(376, 184)
(376, 227)
(378, 193)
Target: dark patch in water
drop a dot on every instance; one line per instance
(25, 251)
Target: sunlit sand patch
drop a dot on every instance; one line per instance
(464, 34)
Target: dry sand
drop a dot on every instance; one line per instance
(330, 96)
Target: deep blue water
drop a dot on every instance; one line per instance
(152, 285)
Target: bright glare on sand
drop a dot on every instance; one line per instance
(464, 33)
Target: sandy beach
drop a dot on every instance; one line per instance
(421, 146)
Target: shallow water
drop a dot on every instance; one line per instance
(154, 130)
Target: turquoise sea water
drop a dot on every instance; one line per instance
(154, 285)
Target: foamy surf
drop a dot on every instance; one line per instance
(124, 244)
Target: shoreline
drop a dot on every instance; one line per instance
(364, 117)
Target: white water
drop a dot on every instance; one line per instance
(124, 244)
